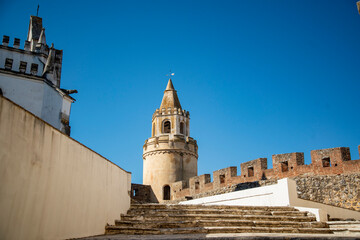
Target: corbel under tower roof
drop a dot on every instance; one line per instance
(170, 98)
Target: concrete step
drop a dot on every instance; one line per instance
(138, 211)
(189, 217)
(209, 230)
(178, 206)
(218, 223)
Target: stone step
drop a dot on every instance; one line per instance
(209, 230)
(214, 211)
(177, 217)
(345, 227)
(344, 224)
(178, 206)
(217, 223)
(200, 219)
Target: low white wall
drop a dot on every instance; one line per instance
(53, 187)
(281, 194)
(272, 195)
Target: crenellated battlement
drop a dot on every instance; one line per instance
(170, 111)
(329, 161)
(39, 48)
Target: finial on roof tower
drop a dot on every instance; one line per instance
(170, 74)
(37, 11)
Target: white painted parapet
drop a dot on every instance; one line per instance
(281, 194)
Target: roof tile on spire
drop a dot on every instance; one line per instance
(170, 98)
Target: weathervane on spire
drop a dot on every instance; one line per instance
(170, 74)
(37, 11)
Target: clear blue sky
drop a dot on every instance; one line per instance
(258, 77)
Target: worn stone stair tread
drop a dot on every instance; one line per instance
(343, 222)
(228, 216)
(177, 206)
(162, 224)
(136, 230)
(199, 219)
(216, 211)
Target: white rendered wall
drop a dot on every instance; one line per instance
(281, 194)
(53, 187)
(24, 56)
(37, 97)
(28, 93)
(52, 106)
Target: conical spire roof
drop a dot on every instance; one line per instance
(170, 98)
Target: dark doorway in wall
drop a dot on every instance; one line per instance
(166, 192)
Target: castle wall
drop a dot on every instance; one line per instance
(325, 162)
(53, 187)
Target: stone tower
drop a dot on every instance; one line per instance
(170, 154)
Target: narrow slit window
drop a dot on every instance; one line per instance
(222, 178)
(8, 63)
(250, 171)
(22, 67)
(197, 185)
(166, 192)
(34, 68)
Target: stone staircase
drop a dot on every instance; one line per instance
(142, 219)
(345, 227)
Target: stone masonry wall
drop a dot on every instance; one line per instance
(141, 193)
(337, 190)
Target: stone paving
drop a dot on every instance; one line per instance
(232, 236)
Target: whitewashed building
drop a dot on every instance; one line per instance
(30, 77)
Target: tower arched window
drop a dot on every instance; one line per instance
(182, 128)
(153, 130)
(166, 126)
(166, 192)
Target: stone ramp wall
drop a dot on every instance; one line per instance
(336, 190)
